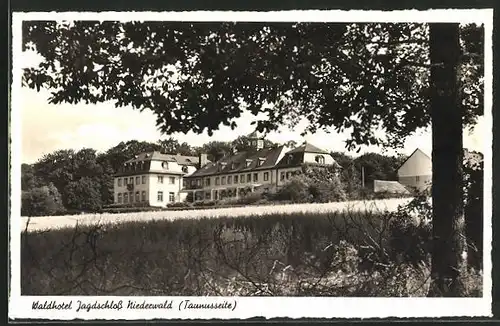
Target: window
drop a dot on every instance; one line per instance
(235, 179)
(208, 195)
(261, 161)
(119, 198)
(137, 180)
(143, 179)
(125, 198)
(119, 182)
(255, 177)
(217, 181)
(144, 196)
(160, 179)
(164, 165)
(282, 176)
(171, 197)
(131, 197)
(193, 183)
(249, 177)
(137, 197)
(207, 182)
(417, 178)
(229, 180)
(199, 182)
(266, 176)
(160, 196)
(185, 169)
(248, 163)
(172, 180)
(320, 159)
(131, 180)
(288, 175)
(289, 159)
(242, 178)
(223, 180)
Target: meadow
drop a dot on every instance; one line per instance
(65, 221)
(349, 252)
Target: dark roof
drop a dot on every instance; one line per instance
(256, 134)
(237, 163)
(291, 159)
(157, 156)
(308, 148)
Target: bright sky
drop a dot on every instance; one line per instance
(47, 127)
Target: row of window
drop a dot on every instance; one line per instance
(288, 175)
(171, 196)
(171, 180)
(248, 163)
(243, 178)
(128, 197)
(231, 179)
(142, 179)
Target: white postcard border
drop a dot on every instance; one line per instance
(247, 307)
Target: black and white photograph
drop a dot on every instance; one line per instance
(251, 164)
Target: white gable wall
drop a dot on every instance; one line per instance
(416, 172)
(417, 164)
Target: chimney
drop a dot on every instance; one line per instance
(203, 160)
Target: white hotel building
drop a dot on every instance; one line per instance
(154, 178)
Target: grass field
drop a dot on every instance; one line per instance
(56, 222)
(296, 250)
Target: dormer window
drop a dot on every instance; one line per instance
(289, 159)
(248, 163)
(185, 169)
(260, 161)
(233, 166)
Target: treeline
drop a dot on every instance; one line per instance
(69, 181)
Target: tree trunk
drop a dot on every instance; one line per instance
(447, 164)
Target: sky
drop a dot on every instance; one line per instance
(47, 127)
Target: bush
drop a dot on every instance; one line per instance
(207, 203)
(41, 201)
(256, 197)
(179, 204)
(312, 187)
(296, 191)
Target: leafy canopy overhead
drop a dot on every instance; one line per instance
(196, 76)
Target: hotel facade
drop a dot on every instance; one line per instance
(259, 168)
(154, 178)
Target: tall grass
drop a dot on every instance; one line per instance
(279, 254)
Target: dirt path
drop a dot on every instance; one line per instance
(55, 222)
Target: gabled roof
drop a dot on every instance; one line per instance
(237, 162)
(412, 154)
(157, 156)
(308, 148)
(256, 134)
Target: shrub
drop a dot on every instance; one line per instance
(179, 204)
(205, 203)
(296, 191)
(41, 201)
(326, 191)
